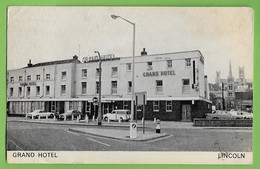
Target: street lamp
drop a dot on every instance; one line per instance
(99, 89)
(133, 63)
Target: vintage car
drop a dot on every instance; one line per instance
(224, 114)
(68, 115)
(40, 113)
(116, 115)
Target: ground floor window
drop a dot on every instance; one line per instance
(168, 106)
(156, 106)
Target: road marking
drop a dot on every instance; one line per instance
(98, 142)
(70, 142)
(160, 139)
(15, 144)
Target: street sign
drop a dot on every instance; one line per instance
(141, 98)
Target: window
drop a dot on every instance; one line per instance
(188, 62)
(48, 76)
(97, 72)
(63, 75)
(169, 63)
(149, 65)
(168, 106)
(114, 87)
(29, 78)
(185, 85)
(128, 67)
(155, 105)
(11, 91)
(84, 73)
(230, 94)
(230, 87)
(139, 108)
(125, 105)
(97, 87)
(19, 91)
(129, 87)
(47, 90)
(38, 77)
(84, 87)
(28, 91)
(37, 90)
(12, 79)
(20, 78)
(114, 71)
(63, 89)
(159, 86)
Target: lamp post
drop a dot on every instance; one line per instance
(99, 91)
(133, 63)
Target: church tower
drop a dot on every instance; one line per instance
(241, 74)
(217, 79)
(230, 88)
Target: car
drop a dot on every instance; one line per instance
(41, 113)
(68, 115)
(223, 114)
(116, 115)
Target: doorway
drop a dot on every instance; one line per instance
(186, 112)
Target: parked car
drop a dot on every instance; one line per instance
(223, 114)
(123, 115)
(69, 114)
(41, 113)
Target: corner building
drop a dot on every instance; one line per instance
(176, 86)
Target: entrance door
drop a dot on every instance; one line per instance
(186, 112)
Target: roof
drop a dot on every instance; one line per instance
(54, 62)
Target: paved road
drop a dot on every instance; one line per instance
(51, 137)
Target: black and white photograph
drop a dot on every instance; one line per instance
(129, 85)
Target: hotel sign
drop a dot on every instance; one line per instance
(159, 73)
(28, 84)
(96, 58)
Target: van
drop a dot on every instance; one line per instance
(116, 115)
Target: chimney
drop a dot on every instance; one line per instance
(143, 52)
(30, 63)
(75, 57)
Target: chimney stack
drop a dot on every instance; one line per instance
(75, 57)
(30, 63)
(143, 52)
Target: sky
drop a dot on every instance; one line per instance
(54, 33)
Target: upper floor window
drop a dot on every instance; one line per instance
(149, 65)
(28, 91)
(188, 62)
(230, 94)
(29, 78)
(63, 89)
(63, 75)
(114, 87)
(114, 71)
(38, 77)
(129, 87)
(20, 91)
(128, 67)
(37, 90)
(156, 106)
(230, 87)
(168, 106)
(97, 72)
(169, 63)
(84, 87)
(84, 73)
(20, 78)
(48, 76)
(12, 79)
(11, 91)
(47, 90)
(159, 86)
(185, 85)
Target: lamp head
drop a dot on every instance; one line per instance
(114, 16)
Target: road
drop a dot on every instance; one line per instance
(53, 137)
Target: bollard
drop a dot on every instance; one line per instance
(54, 118)
(77, 118)
(86, 118)
(26, 117)
(154, 120)
(47, 117)
(93, 119)
(158, 127)
(142, 121)
(32, 117)
(65, 118)
(39, 117)
(119, 120)
(72, 117)
(108, 120)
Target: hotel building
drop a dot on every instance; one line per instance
(176, 86)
